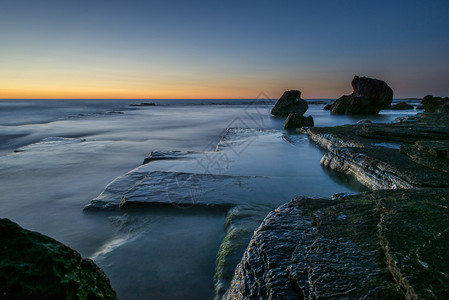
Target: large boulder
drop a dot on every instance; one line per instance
(34, 266)
(435, 104)
(369, 97)
(290, 102)
(295, 120)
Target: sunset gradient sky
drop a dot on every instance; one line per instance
(220, 49)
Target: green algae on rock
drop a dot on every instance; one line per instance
(240, 223)
(34, 266)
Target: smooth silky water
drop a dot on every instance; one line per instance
(57, 155)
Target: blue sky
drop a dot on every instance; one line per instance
(220, 49)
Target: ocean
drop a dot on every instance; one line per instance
(58, 155)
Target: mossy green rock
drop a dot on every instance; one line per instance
(34, 266)
(389, 244)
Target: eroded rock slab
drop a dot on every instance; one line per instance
(241, 168)
(383, 244)
(406, 154)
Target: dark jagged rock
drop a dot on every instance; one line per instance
(402, 105)
(295, 120)
(435, 104)
(290, 102)
(383, 156)
(376, 245)
(369, 97)
(34, 266)
(327, 107)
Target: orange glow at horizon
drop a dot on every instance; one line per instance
(162, 90)
(158, 94)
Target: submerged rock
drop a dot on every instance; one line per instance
(34, 266)
(376, 245)
(143, 104)
(369, 97)
(290, 102)
(162, 155)
(401, 105)
(295, 120)
(435, 104)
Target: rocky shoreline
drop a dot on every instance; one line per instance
(388, 243)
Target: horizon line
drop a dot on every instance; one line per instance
(149, 99)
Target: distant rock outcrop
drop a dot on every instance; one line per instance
(34, 266)
(369, 97)
(143, 104)
(435, 104)
(290, 102)
(295, 120)
(401, 105)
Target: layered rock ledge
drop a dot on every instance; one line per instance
(381, 244)
(406, 154)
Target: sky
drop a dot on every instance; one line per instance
(220, 49)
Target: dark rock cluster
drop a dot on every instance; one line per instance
(291, 105)
(369, 97)
(34, 266)
(435, 104)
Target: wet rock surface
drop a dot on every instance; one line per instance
(381, 244)
(34, 266)
(402, 105)
(409, 153)
(295, 120)
(435, 104)
(241, 221)
(369, 97)
(290, 102)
